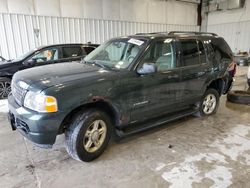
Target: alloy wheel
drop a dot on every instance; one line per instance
(5, 89)
(95, 136)
(209, 104)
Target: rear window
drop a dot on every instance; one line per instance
(220, 46)
(68, 52)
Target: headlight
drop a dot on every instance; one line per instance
(40, 103)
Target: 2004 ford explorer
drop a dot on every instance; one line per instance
(126, 85)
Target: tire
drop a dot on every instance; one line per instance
(5, 87)
(240, 97)
(212, 104)
(82, 132)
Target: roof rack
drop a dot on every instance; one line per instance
(165, 33)
(191, 32)
(179, 32)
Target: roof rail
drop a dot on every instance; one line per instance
(165, 33)
(191, 32)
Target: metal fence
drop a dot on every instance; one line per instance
(237, 34)
(20, 33)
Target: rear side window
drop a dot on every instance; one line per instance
(190, 53)
(73, 51)
(88, 49)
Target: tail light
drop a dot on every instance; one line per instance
(232, 67)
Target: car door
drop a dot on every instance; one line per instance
(158, 93)
(194, 69)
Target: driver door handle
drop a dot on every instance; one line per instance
(173, 76)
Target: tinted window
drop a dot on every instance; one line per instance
(202, 52)
(46, 55)
(209, 51)
(88, 49)
(71, 51)
(190, 54)
(162, 54)
(221, 47)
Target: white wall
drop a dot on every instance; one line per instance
(230, 16)
(233, 25)
(65, 21)
(153, 11)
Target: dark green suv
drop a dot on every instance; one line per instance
(126, 85)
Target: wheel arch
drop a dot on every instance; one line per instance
(217, 84)
(100, 105)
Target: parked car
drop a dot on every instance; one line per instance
(43, 55)
(248, 76)
(126, 85)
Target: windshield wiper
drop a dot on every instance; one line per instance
(96, 63)
(99, 64)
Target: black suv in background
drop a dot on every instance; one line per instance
(43, 55)
(126, 85)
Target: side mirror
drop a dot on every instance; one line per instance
(147, 68)
(30, 62)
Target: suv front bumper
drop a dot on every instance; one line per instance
(40, 128)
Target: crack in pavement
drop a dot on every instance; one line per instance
(33, 169)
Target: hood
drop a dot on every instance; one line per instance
(40, 78)
(5, 63)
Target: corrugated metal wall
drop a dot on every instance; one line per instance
(17, 34)
(237, 34)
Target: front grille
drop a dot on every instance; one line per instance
(18, 93)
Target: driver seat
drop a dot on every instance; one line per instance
(164, 62)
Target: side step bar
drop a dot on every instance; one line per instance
(132, 129)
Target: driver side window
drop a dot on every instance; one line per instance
(161, 53)
(46, 55)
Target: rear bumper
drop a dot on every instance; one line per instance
(40, 128)
(228, 85)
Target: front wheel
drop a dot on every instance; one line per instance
(5, 87)
(88, 135)
(209, 103)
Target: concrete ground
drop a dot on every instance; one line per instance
(191, 152)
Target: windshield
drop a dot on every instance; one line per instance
(118, 53)
(23, 56)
